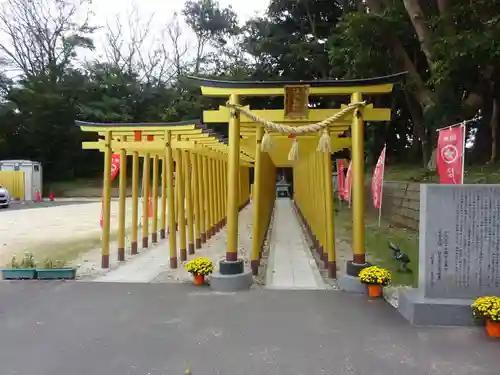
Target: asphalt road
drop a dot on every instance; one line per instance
(78, 328)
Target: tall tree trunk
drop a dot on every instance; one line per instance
(495, 116)
(445, 12)
(422, 30)
(416, 84)
(419, 127)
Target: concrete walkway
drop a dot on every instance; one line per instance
(152, 264)
(291, 264)
(143, 267)
(61, 328)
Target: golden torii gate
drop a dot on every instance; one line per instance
(195, 203)
(313, 193)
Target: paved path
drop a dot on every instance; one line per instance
(142, 268)
(292, 265)
(61, 328)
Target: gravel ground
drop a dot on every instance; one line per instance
(29, 230)
(56, 228)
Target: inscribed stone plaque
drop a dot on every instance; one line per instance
(459, 241)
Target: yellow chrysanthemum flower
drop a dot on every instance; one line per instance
(200, 266)
(375, 275)
(487, 307)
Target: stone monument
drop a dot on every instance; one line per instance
(459, 253)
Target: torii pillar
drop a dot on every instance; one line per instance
(231, 274)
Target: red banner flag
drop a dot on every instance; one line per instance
(348, 183)
(450, 155)
(340, 177)
(378, 180)
(115, 167)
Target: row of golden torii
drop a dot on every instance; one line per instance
(212, 173)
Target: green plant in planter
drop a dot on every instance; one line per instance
(21, 269)
(14, 263)
(55, 270)
(28, 261)
(49, 264)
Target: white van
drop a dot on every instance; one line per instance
(4, 197)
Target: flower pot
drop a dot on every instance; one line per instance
(56, 273)
(374, 290)
(493, 328)
(199, 279)
(19, 274)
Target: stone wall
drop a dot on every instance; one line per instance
(400, 203)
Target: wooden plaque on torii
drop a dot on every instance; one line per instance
(296, 101)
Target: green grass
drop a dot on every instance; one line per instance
(78, 183)
(377, 244)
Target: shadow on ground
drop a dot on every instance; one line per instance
(79, 328)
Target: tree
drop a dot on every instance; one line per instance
(290, 40)
(42, 36)
(138, 51)
(211, 24)
(442, 48)
(179, 46)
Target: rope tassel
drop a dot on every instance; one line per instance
(325, 143)
(293, 155)
(267, 142)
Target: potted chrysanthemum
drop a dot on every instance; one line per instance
(199, 268)
(375, 278)
(488, 308)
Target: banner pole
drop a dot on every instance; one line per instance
(142, 199)
(101, 216)
(350, 182)
(382, 188)
(350, 192)
(340, 187)
(460, 123)
(463, 151)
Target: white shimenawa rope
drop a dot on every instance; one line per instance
(324, 144)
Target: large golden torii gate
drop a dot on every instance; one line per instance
(313, 193)
(193, 148)
(212, 172)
